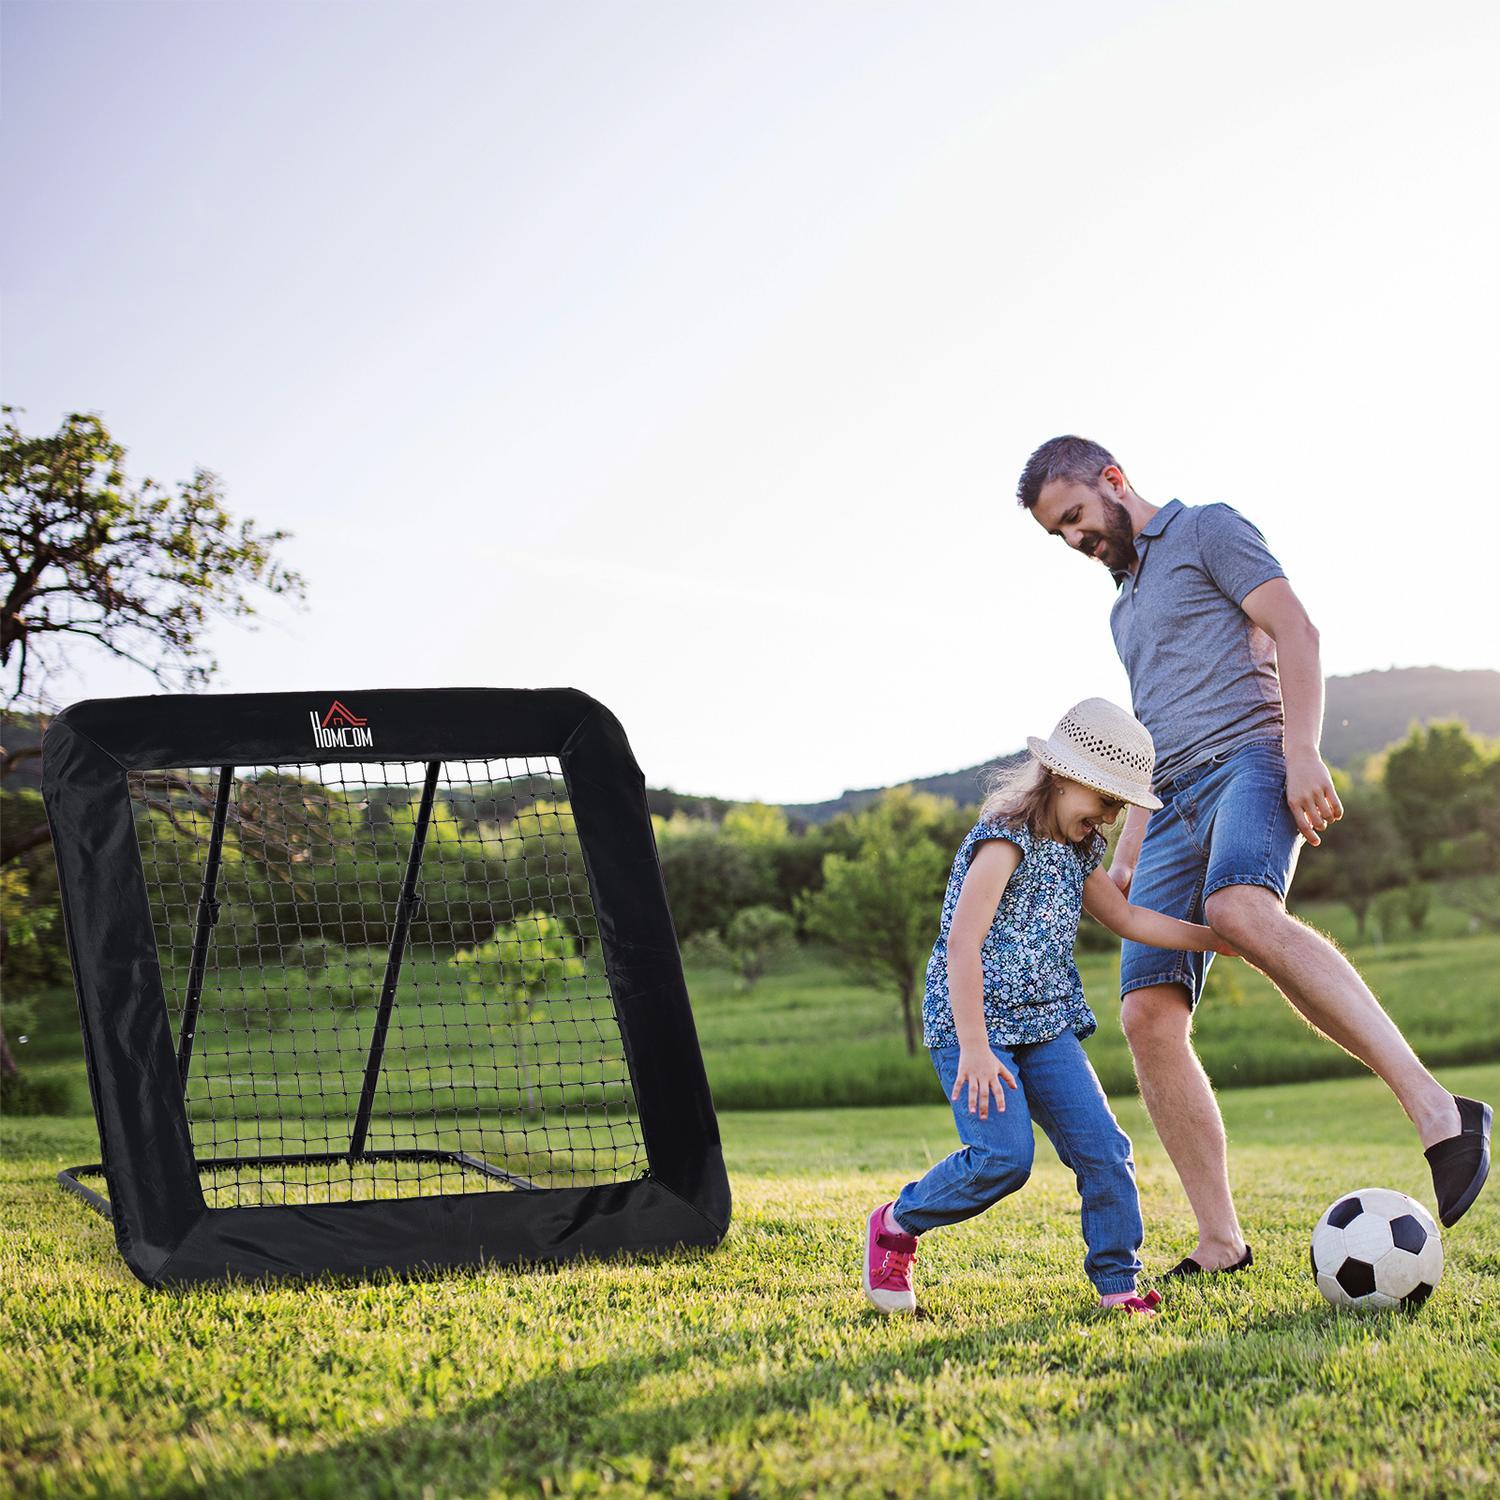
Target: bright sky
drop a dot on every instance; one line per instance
(688, 353)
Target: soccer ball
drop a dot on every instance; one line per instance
(1377, 1248)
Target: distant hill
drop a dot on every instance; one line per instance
(1363, 714)
(1371, 710)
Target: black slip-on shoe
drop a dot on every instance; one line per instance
(1187, 1266)
(1462, 1162)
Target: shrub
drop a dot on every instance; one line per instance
(1418, 903)
(21, 1094)
(756, 939)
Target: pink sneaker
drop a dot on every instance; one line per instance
(888, 1259)
(1139, 1306)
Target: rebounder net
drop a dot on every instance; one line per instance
(384, 980)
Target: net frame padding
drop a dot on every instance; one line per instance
(166, 1231)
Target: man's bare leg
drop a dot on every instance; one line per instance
(1323, 986)
(1181, 1103)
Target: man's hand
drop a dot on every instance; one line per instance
(1310, 794)
(1122, 874)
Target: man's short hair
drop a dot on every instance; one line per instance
(1072, 458)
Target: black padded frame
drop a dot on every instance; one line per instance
(163, 1226)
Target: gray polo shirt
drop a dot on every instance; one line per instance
(1203, 675)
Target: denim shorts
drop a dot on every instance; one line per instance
(1223, 822)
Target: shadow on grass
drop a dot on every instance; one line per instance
(602, 1417)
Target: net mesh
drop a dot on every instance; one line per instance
(501, 1065)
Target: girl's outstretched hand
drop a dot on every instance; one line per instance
(980, 1072)
(1213, 942)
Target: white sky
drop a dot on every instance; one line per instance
(688, 354)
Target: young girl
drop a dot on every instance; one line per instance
(1004, 1007)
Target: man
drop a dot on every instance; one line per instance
(1225, 673)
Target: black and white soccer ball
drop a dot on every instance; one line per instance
(1377, 1248)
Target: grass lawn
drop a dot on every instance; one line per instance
(757, 1369)
(809, 1037)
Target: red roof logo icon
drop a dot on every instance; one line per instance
(340, 717)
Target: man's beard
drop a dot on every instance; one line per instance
(1117, 547)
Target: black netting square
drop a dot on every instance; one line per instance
(337, 1043)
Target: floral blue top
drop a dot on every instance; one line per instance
(1032, 989)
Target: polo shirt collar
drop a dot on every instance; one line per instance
(1160, 521)
(1154, 527)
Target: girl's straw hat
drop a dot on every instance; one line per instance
(1098, 743)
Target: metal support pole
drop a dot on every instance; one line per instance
(69, 1179)
(208, 915)
(405, 909)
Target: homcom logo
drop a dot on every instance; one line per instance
(340, 729)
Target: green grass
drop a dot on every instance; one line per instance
(756, 1369)
(809, 1037)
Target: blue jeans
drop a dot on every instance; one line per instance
(1058, 1089)
(1224, 822)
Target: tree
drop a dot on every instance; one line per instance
(1482, 899)
(22, 950)
(878, 909)
(515, 968)
(1434, 781)
(543, 859)
(1363, 854)
(755, 823)
(42, 957)
(709, 878)
(88, 554)
(1417, 903)
(797, 866)
(755, 939)
(679, 824)
(1390, 908)
(1487, 808)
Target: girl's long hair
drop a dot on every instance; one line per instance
(1018, 794)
